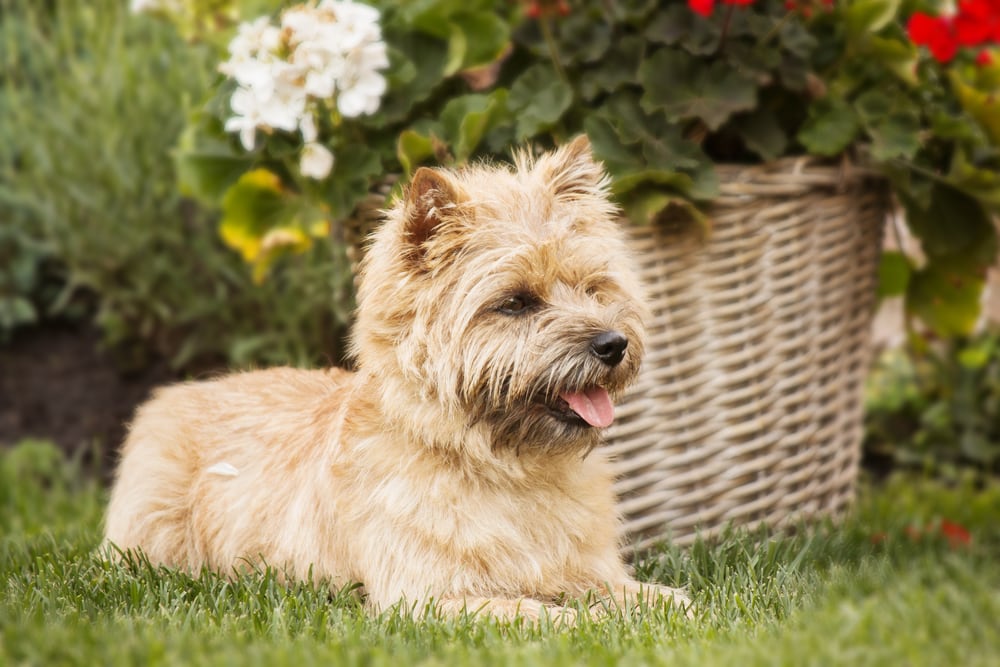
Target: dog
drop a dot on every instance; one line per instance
(499, 317)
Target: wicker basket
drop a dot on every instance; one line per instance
(748, 407)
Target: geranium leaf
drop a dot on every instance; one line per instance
(208, 166)
(486, 35)
(868, 16)
(677, 25)
(468, 118)
(983, 105)
(831, 128)
(412, 149)
(894, 272)
(251, 207)
(683, 87)
(538, 99)
(945, 297)
(619, 68)
(952, 225)
(762, 133)
(980, 183)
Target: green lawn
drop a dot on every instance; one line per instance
(866, 592)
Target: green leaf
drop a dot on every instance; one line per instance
(350, 182)
(207, 166)
(981, 183)
(412, 149)
(253, 207)
(685, 88)
(762, 133)
(978, 354)
(953, 226)
(677, 25)
(983, 105)
(831, 127)
(647, 207)
(619, 68)
(466, 119)
(894, 272)
(868, 16)
(899, 56)
(486, 35)
(418, 62)
(896, 136)
(538, 99)
(945, 297)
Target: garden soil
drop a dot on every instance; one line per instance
(58, 383)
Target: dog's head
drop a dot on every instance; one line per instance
(508, 295)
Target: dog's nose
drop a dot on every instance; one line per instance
(609, 347)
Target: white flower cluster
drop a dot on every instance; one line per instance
(153, 6)
(326, 52)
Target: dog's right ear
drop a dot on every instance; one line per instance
(430, 195)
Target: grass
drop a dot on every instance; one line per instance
(869, 591)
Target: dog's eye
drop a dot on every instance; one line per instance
(515, 305)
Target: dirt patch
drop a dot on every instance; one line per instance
(58, 383)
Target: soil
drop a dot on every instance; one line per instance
(59, 383)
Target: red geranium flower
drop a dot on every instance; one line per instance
(703, 7)
(706, 7)
(977, 21)
(956, 535)
(936, 33)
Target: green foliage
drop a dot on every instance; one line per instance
(939, 408)
(665, 94)
(862, 593)
(92, 103)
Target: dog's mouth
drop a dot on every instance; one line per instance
(590, 407)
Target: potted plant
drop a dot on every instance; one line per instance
(715, 121)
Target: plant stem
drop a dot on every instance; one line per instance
(550, 42)
(725, 27)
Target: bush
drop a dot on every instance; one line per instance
(937, 408)
(92, 101)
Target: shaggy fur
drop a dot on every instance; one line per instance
(451, 468)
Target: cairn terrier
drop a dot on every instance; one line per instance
(498, 319)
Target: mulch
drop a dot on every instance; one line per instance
(59, 383)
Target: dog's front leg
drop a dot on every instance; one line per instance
(506, 609)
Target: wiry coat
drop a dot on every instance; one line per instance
(447, 468)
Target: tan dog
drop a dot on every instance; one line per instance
(498, 314)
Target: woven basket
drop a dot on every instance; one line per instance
(748, 407)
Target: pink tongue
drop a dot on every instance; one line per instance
(594, 405)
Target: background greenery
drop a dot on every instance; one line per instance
(92, 101)
(885, 588)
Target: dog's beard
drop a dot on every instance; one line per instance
(539, 415)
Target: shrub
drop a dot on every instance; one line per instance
(938, 406)
(93, 100)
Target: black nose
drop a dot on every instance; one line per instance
(609, 347)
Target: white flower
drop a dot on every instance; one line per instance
(325, 54)
(363, 96)
(152, 6)
(316, 161)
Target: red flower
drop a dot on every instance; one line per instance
(956, 535)
(936, 33)
(977, 22)
(984, 59)
(703, 7)
(706, 7)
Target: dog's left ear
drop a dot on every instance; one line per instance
(430, 194)
(572, 170)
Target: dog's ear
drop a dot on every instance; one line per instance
(430, 195)
(572, 170)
